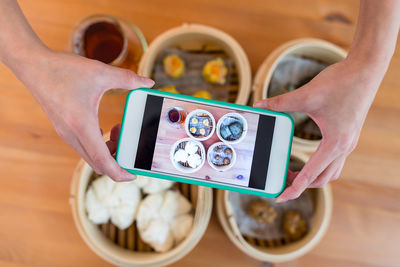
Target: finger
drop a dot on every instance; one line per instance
(78, 148)
(336, 175)
(84, 155)
(318, 162)
(96, 148)
(291, 175)
(330, 173)
(126, 79)
(114, 135)
(289, 102)
(112, 146)
(294, 190)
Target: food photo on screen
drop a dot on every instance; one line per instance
(205, 142)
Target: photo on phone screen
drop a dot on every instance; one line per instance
(205, 142)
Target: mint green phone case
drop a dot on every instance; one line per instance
(201, 182)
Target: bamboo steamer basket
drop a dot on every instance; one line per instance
(193, 36)
(125, 248)
(306, 47)
(278, 251)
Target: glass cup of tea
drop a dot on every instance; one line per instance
(176, 116)
(114, 41)
(100, 37)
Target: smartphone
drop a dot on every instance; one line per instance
(205, 142)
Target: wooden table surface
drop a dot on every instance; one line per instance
(36, 226)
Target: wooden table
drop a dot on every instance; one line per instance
(36, 166)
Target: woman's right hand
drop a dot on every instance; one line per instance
(69, 89)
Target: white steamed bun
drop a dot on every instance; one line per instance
(158, 215)
(158, 235)
(97, 212)
(152, 185)
(107, 199)
(181, 226)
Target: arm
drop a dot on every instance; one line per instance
(67, 86)
(338, 99)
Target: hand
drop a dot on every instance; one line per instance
(338, 100)
(69, 89)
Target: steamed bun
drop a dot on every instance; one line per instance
(107, 199)
(152, 185)
(103, 189)
(158, 215)
(141, 181)
(181, 226)
(128, 197)
(148, 210)
(97, 212)
(174, 204)
(158, 235)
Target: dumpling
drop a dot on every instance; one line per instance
(227, 161)
(122, 216)
(194, 160)
(174, 204)
(214, 71)
(107, 199)
(152, 185)
(202, 131)
(228, 151)
(294, 225)
(181, 226)
(128, 195)
(262, 212)
(161, 219)
(158, 235)
(191, 147)
(148, 210)
(170, 89)
(97, 213)
(103, 189)
(157, 185)
(180, 156)
(141, 181)
(193, 130)
(174, 66)
(203, 94)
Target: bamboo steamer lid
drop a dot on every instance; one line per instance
(111, 251)
(195, 35)
(287, 252)
(305, 47)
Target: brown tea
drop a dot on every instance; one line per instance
(103, 41)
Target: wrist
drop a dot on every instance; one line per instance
(25, 61)
(374, 62)
(365, 74)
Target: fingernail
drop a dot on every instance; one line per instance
(260, 104)
(147, 82)
(127, 178)
(279, 200)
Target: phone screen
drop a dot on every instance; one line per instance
(205, 142)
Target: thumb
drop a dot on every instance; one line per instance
(289, 102)
(126, 79)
